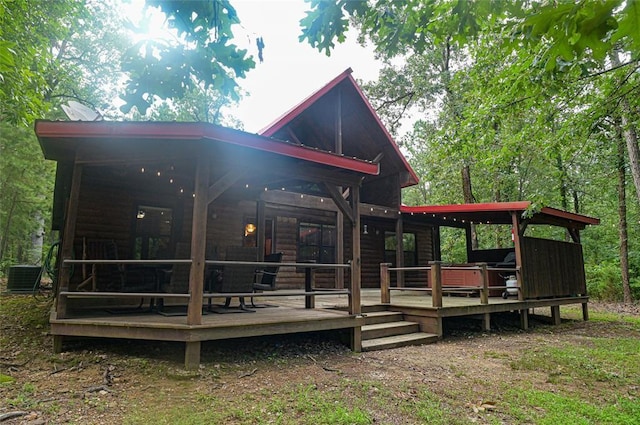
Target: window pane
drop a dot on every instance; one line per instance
(310, 234)
(328, 255)
(308, 253)
(328, 235)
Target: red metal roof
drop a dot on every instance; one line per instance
(495, 212)
(49, 131)
(290, 115)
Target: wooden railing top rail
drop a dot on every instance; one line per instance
(82, 294)
(276, 293)
(443, 267)
(142, 262)
(267, 264)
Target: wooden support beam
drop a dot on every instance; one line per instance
(58, 344)
(486, 322)
(198, 240)
(224, 183)
(399, 251)
(293, 136)
(68, 235)
(484, 276)
(340, 202)
(524, 319)
(356, 262)
(555, 315)
(192, 355)
(340, 249)
(385, 283)
(585, 311)
(436, 283)
(517, 234)
(309, 283)
(261, 222)
(356, 339)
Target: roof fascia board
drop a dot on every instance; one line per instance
(197, 131)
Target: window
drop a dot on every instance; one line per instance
(153, 233)
(250, 234)
(408, 245)
(317, 242)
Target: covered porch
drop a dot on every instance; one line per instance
(154, 211)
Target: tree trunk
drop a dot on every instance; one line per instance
(631, 139)
(468, 199)
(630, 134)
(5, 234)
(564, 200)
(622, 217)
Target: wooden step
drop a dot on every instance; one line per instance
(374, 308)
(417, 338)
(382, 317)
(380, 330)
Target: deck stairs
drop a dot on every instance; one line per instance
(384, 329)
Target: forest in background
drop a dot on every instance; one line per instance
(534, 100)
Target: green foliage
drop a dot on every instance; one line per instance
(572, 33)
(604, 282)
(201, 56)
(26, 189)
(26, 49)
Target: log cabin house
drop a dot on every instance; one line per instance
(160, 213)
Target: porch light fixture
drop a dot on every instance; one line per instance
(249, 229)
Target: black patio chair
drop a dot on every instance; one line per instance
(267, 277)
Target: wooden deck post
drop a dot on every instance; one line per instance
(555, 315)
(66, 251)
(339, 282)
(515, 223)
(484, 276)
(385, 277)
(198, 242)
(356, 339)
(192, 355)
(309, 281)
(436, 283)
(399, 251)
(261, 222)
(524, 319)
(585, 311)
(354, 298)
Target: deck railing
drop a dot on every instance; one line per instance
(437, 288)
(309, 291)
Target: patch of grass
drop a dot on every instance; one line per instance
(542, 407)
(25, 398)
(499, 355)
(429, 409)
(575, 313)
(300, 404)
(612, 360)
(6, 379)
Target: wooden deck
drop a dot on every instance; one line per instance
(291, 316)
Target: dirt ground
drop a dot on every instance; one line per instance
(99, 382)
